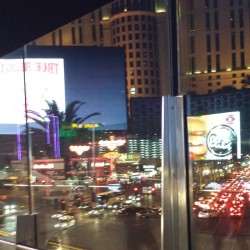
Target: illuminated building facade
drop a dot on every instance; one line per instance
(148, 148)
(139, 26)
(217, 47)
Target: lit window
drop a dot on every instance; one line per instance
(132, 91)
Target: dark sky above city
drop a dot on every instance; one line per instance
(21, 21)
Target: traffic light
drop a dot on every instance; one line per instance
(153, 190)
(77, 200)
(136, 190)
(63, 204)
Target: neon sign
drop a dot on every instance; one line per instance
(113, 144)
(111, 155)
(79, 149)
(44, 166)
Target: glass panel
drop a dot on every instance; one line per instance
(219, 153)
(217, 122)
(89, 184)
(14, 192)
(82, 159)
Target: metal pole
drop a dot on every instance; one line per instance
(28, 137)
(93, 148)
(175, 217)
(172, 6)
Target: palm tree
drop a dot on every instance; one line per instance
(65, 119)
(53, 109)
(69, 116)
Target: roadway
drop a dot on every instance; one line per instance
(129, 232)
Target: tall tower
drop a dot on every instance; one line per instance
(215, 49)
(137, 25)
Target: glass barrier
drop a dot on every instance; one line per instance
(80, 130)
(214, 72)
(218, 138)
(15, 192)
(70, 174)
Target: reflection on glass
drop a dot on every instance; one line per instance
(219, 155)
(74, 98)
(83, 173)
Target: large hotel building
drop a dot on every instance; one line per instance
(215, 36)
(214, 49)
(137, 26)
(215, 53)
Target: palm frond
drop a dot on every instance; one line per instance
(71, 110)
(36, 117)
(87, 117)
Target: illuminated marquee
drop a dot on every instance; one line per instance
(79, 149)
(111, 155)
(44, 166)
(99, 164)
(84, 126)
(113, 144)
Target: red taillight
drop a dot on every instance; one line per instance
(4, 197)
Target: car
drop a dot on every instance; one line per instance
(238, 203)
(205, 205)
(96, 212)
(116, 206)
(224, 198)
(208, 214)
(59, 214)
(147, 213)
(86, 208)
(235, 212)
(131, 211)
(128, 202)
(65, 221)
(148, 190)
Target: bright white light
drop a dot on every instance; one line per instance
(43, 78)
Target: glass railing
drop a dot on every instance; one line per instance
(82, 162)
(68, 178)
(218, 140)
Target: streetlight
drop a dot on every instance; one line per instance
(79, 149)
(92, 125)
(112, 144)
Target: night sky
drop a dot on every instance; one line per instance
(22, 21)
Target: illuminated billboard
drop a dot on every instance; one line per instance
(43, 78)
(93, 75)
(214, 137)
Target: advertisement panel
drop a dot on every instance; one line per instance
(43, 78)
(214, 137)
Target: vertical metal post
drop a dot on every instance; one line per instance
(26, 227)
(28, 136)
(93, 148)
(175, 228)
(172, 6)
(176, 232)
